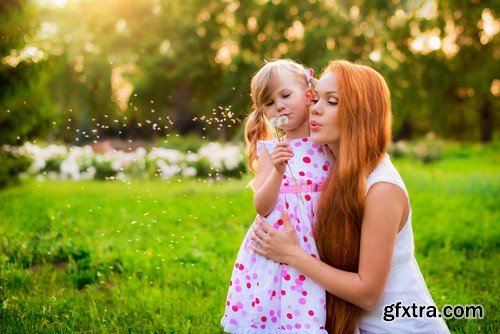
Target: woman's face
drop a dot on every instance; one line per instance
(323, 112)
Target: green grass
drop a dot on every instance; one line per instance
(155, 256)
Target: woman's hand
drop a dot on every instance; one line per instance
(280, 246)
(280, 156)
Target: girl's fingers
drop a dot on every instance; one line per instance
(277, 155)
(282, 144)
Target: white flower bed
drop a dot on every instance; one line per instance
(77, 163)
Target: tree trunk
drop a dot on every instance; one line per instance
(486, 122)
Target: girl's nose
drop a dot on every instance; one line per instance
(280, 105)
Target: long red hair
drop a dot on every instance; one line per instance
(364, 112)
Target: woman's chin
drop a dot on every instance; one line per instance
(316, 137)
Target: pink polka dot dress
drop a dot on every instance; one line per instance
(270, 297)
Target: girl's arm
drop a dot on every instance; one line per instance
(271, 168)
(384, 212)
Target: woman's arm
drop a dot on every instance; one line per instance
(384, 210)
(271, 168)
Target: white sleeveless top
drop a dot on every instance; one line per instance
(405, 284)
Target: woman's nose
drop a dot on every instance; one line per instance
(313, 109)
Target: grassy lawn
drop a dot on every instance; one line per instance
(156, 256)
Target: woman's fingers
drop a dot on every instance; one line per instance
(287, 224)
(258, 233)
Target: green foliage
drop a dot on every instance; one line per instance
(186, 59)
(25, 109)
(10, 167)
(186, 143)
(150, 256)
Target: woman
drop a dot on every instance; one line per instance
(363, 230)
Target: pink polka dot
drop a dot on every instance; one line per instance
(302, 277)
(233, 322)
(283, 292)
(289, 315)
(263, 319)
(302, 301)
(310, 312)
(238, 288)
(249, 285)
(310, 152)
(235, 308)
(307, 197)
(241, 267)
(287, 277)
(274, 319)
(305, 139)
(307, 160)
(297, 144)
(301, 173)
(325, 168)
(304, 293)
(297, 326)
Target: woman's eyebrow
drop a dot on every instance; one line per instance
(327, 93)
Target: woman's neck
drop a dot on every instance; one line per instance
(335, 148)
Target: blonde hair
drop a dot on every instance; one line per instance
(257, 126)
(364, 112)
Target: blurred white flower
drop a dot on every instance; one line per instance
(70, 169)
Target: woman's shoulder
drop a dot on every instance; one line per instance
(385, 172)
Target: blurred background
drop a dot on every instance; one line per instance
(81, 71)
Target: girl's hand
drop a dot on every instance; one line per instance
(280, 155)
(280, 246)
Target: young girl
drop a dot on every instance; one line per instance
(266, 296)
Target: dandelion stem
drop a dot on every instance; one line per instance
(295, 183)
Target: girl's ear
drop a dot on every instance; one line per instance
(309, 96)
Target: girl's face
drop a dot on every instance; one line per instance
(288, 99)
(324, 119)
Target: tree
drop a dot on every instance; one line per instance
(25, 109)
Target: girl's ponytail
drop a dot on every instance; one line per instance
(256, 128)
